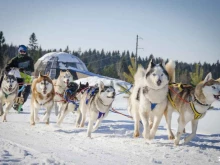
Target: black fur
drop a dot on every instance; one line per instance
(138, 94)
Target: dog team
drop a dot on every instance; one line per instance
(153, 95)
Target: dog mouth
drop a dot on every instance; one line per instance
(217, 97)
(44, 92)
(9, 89)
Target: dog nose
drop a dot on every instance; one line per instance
(114, 93)
(158, 82)
(10, 86)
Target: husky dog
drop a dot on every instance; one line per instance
(42, 96)
(192, 104)
(8, 93)
(97, 101)
(149, 97)
(60, 85)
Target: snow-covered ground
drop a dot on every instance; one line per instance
(112, 143)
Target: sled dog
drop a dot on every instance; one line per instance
(192, 104)
(8, 93)
(72, 96)
(148, 99)
(60, 85)
(42, 97)
(97, 101)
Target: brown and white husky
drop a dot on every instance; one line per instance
(192, 104)
(42, 97)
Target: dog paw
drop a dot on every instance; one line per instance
(37, 120)
(171, 137)
(47, 122)
(32, 123)
(136, 134)
(4, 120)
(176, 142)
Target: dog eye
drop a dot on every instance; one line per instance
(42, 83)
(154, 74)
(213, 87)
(162, 74)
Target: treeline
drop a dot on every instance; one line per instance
(107, 63)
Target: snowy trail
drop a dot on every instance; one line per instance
(112, 143)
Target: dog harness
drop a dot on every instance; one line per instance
(69, 100)
(197, 115)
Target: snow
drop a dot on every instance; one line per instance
(112, 143)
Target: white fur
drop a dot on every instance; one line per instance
(157, 93)
(95, 107)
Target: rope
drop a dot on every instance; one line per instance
(114, 111)
(178, 95)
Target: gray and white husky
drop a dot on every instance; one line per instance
(60, 85)
(97, 101)
(149, 97)
(8, 93)
(192, 104)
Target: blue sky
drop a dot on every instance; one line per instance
(183, 30)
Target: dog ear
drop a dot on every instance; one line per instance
(208, 77)
(80, 83)
(150, 65)
(87, 84)
(218, 80)
(112, 84)
(162, 63)
(101, 85)
(40, 74)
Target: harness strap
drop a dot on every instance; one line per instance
(153, 105)
(171, 101)
(197, 115)
(101, 115)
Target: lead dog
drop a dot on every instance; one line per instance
(60, 85)
(42, 97)
(8, 93)
(149, 97)
(192, 104)
(97, 101)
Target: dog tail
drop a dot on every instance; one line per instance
(170, 68)
(139, 75)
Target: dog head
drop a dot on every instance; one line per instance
(65, 77)
(44, 85)
(208, 90)
(156, 77)
(9, 82)
(106, 93)
(82, 87)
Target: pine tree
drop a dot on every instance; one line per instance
(2, 42)
(132, 69)
(196, 76)
(33, 46)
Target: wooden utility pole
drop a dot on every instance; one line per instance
(137, 51)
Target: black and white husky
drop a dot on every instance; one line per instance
(149, 97)
(97, 101)
(8, 93)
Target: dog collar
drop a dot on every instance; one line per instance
(200, 102)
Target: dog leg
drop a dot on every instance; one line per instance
(156, 123)
(144, 118)
(7, 108)
(1, 109)
(79, 118)
(36, 118)
(83, 120)
(181, 126)
(194, 129)
(47, 116)
(136, 125)
(32, 116)
(168, 116)
(64, 112)
(56, 108)
(97, 124)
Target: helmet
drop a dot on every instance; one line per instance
(22, 49)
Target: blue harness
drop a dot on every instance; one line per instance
(153, 105)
